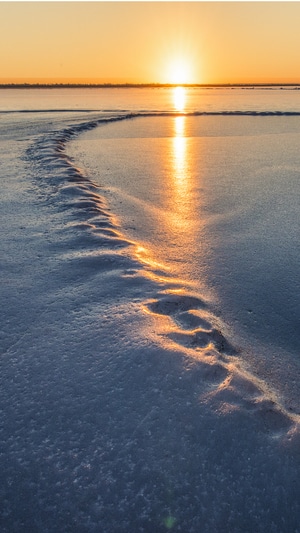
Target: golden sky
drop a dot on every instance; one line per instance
(145, 42)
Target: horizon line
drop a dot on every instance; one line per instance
(18, 85)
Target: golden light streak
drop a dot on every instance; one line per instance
(179, 98)
(144, 256)
(180, 178)
(179, 155)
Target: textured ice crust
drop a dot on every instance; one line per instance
(193, 326)
(120, 420)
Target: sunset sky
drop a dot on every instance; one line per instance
(145, 42)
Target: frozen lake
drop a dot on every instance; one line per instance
(149, 287)
(216, 201)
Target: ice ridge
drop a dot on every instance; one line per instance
(194, 329)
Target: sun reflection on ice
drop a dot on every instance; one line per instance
(179, 98)
(179, 148)
(144, 255)
(181, 179)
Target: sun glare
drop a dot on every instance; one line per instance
(179, 72)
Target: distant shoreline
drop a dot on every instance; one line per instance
(143, 85)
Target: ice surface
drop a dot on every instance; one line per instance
(215, 201)
(108, 421)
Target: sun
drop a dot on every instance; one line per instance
(179, 72)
